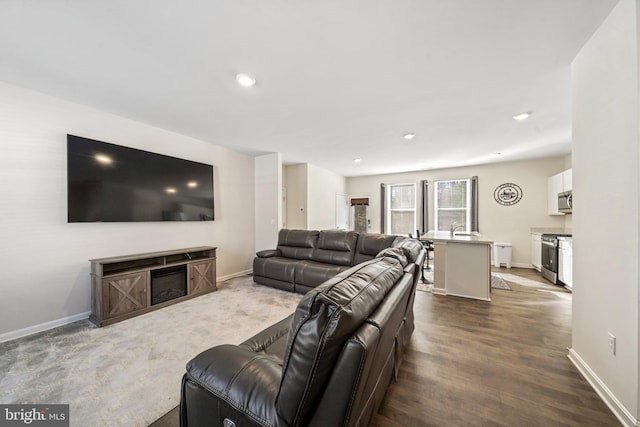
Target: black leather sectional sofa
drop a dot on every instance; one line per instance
(303, 259)
(328, 364)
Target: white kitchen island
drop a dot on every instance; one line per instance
(462, 264)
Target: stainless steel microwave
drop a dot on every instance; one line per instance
(565, 201)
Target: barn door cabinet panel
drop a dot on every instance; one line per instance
(125, 293)
(202, 277)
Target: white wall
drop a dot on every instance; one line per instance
(44, 260)
(606, 160)
(501, 223)
(268, 200)
(322, 187)
(311, 196)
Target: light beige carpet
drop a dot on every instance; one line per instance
(128, 374)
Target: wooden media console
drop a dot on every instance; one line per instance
(127, 286)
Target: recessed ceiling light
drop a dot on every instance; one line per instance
(409, 136)
(245, 80)
(522, 116)
(192, 184)
(170, 190)
(357, 160)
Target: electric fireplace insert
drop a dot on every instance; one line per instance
(168, 283)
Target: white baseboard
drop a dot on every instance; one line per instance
(517, 265)
(439, 291)
(522, 265)
(8, 336)
(233, 275)
(618, 409)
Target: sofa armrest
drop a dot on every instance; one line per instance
(268, 253)
(242, 382)
(272, 340)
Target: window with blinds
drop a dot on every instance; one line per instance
(400, 216)
(452, 204)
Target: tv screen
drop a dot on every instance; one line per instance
(112, 183)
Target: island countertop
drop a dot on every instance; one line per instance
(471, 250)
(445, 236)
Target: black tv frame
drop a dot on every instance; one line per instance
(113, 183)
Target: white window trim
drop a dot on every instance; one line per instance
(468, 208)
(387, 214)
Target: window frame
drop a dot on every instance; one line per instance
(468, 209)
(388, 209)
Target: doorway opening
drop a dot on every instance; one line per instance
(360, 214)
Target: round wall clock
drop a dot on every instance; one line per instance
(508, 194)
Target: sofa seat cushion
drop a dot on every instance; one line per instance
(323, 321)
(336, 247)
(277, 268)
(312, 274)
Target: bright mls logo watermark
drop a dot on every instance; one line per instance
(34, 415)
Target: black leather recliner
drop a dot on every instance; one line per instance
(303, 259)
(328, 364)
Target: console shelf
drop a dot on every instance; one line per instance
(122, 286)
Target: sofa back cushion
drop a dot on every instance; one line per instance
(370, 244)
(336, 247)
(297, 244)
(323, 321)
(410, 247)
(352, 395)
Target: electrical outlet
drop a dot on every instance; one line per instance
(612, 343)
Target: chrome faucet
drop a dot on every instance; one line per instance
(454, 227)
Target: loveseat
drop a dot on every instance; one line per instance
(303, 259)
(328, 364)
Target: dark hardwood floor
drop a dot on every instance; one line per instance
(170, 419)
(498, 363)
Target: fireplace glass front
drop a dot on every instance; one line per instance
(168, 283)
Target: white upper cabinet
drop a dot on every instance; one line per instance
(554, 186)
(557, 184)
(567, 181)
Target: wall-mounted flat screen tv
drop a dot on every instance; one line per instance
(112, 183)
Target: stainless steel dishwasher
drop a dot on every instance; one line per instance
(549, 268)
